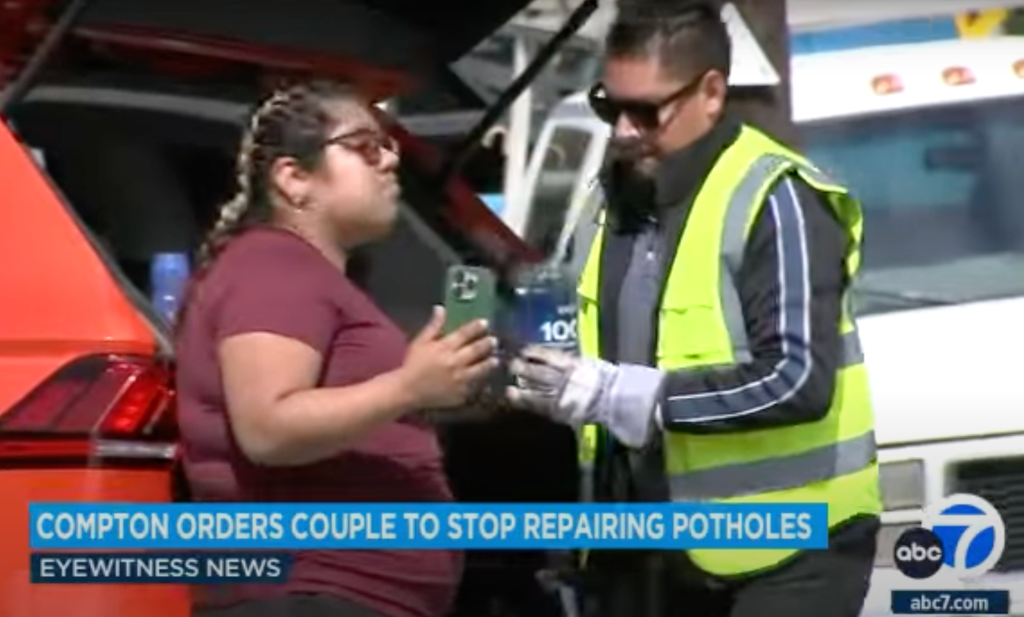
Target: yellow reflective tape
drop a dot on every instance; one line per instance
(587, 452)
(588, 444)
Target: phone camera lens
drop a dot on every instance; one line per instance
(465, 286)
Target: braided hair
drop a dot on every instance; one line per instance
(293, 122)
(290, 123)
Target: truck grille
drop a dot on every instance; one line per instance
(1001, 482)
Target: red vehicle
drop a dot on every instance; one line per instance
(119, 123)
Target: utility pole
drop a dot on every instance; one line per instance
(768, 108)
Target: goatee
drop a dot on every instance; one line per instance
(627, 178)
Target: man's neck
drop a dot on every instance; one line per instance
(680, 173)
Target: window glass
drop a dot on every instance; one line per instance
(943, 197)
(563, 161)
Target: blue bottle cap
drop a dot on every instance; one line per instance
(171, 259)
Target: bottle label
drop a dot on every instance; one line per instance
(542, 316)
(560, 330)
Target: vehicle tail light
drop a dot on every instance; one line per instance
(957, 76)
(886, 84)
(96, 409)
(1018, 68)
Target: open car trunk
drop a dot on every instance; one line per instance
(137, 119)
(384, 45)
(216, 61)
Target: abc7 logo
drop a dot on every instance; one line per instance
(465, 285)
(964, 533)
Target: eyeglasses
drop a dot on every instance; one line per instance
(367, 143)
(645, 114)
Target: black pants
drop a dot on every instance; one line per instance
(296, 605)
(829, 583)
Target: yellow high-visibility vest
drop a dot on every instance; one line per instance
(701, 323)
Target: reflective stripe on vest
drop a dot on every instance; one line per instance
(738, 216)
(832, 460)
(762, 476)
(748, 478)
(776, 474)
(588, 437)
(817, 464)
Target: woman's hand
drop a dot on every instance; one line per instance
(442, 371)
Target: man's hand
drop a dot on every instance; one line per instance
(578, 391)
(558, 385)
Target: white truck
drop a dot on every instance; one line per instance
(930, 137)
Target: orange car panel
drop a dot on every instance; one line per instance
(20, 598)
(58, 299)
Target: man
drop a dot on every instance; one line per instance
(719, 356)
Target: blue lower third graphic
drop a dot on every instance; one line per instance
(927, 602)
(349, 526)
(182, 568)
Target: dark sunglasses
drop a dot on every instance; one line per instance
(646, 114)
(367, 143)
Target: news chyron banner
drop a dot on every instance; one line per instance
(252, 542)
(962, 537)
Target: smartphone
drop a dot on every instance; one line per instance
(470, 293)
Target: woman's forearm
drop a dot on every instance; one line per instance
(316, 424)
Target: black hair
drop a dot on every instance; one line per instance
(688, 37)
(293, 122)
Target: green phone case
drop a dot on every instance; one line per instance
(470, 293)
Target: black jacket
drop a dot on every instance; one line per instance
(790, 284)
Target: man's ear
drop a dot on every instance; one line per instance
(713, 89)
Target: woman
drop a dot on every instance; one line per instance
(293, 385)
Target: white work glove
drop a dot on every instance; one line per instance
(558, 385)
(577, 391)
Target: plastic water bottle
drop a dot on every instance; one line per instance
(544, 308)
(168, 275)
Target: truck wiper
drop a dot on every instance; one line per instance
(912, 298)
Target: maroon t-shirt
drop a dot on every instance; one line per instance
(268, 280)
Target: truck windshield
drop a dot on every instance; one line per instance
(943, 197)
